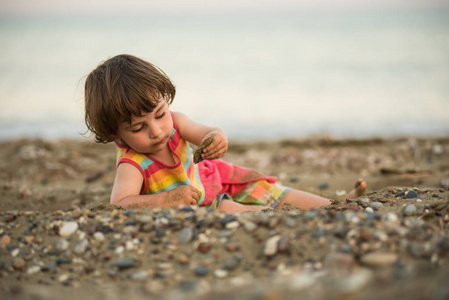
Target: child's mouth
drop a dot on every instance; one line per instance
(160, 142)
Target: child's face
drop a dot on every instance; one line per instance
(149, 133)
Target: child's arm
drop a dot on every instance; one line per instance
(127, 186)
(195, 133)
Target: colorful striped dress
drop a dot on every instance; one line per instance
(210, 177)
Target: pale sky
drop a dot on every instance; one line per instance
(130, 6)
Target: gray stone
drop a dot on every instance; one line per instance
(230, 264)
(124, 263)
(139, 275)
(81, 246)
(249, 226)
(62, 245)
(227, 219)
(290, 222)
(412, 194)
(201, 271)
(410, 210)
(185, 235)
(364, 202)
(323, 185)
(376, 205)
(415, 249)
(99, 236)
(225, 233)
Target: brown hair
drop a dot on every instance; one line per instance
(120, 88)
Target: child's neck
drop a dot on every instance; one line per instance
(166, 156)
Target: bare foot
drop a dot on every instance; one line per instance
(359, 190)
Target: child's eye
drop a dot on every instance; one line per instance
(160, 116)
(136, 130)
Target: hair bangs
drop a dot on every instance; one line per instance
(133, 101)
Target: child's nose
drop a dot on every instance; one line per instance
(155, 131)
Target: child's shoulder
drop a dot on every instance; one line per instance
(178, 117)
(137, 159)
(128, 153)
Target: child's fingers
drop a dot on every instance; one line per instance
(214, 155)
(214, 148)
(195, 195)
(211, 148)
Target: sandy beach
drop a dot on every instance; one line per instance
(58, 238)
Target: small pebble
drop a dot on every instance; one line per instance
(62, 245)
(271, 246)
(231, 264)
(290, 222)
(220, 273)
(183, 259)
(412, 194)
(231, 247)
(119, 250)
(249, 226)
(139, 275)
(185, 235)
(391, 217)
(15, 252)
(369, 209)
(232, 225)
(204, 247)
(63, 277)
(227, 219)
(68, 229)
(339, 262)
(376, 205)
(5, 241)
(154, 287)
(293, 179)
(378, 259)
(81, 247)
(340, 193)
(33, 269)
(283, 245)
(410, 210)
(324, 185)
(18, 263)
(201, 271)
(99, 236)
(364, 202)
(124, 263)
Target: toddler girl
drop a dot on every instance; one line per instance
(127, 102)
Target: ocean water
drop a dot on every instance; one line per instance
(257, 75)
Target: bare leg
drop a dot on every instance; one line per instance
(297, 198)
(359, 190)
(229, 206)
(303, 200)
(306, 200)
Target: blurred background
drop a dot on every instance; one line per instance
(266, 69)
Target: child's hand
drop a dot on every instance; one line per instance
(183, 195)
(217, 149)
